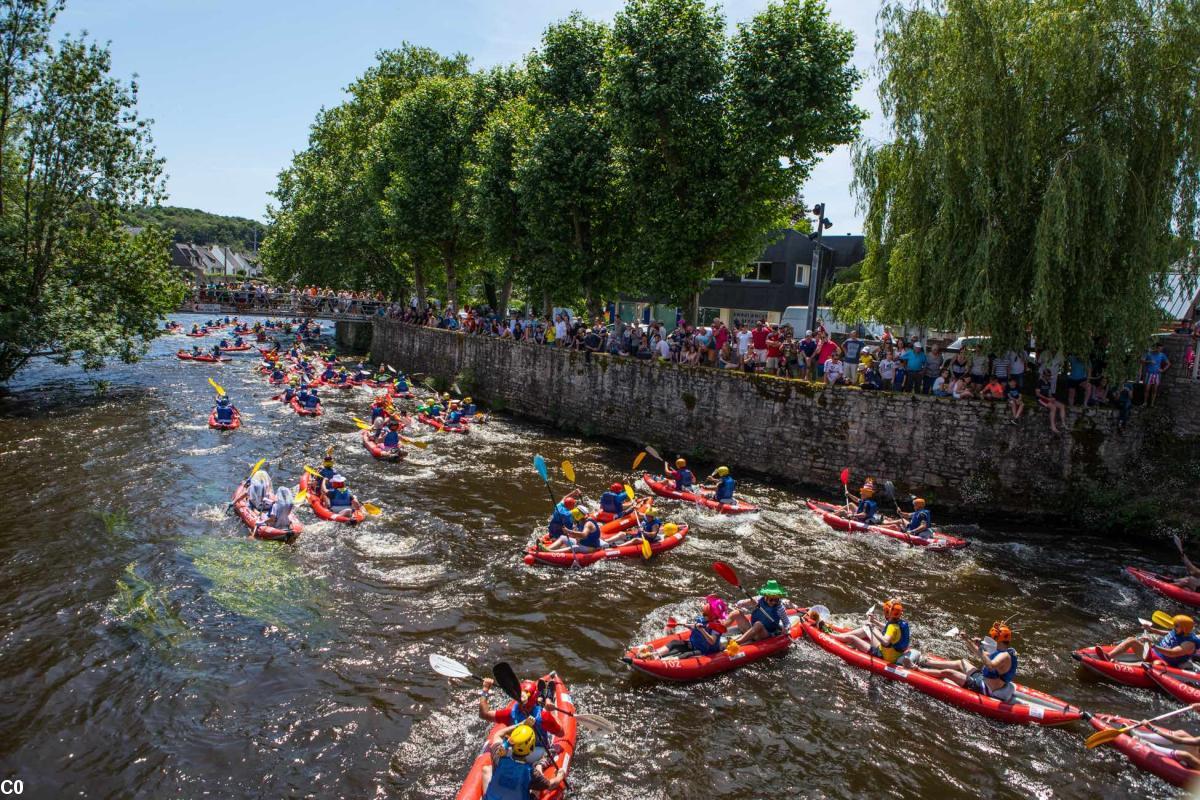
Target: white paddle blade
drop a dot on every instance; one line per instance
(594, 722)
(951, 632)
(448, 666)
(822, 613)
(988, 644)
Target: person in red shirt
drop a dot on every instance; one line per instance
(758, 339)
(720, 337)
(516, 712)
(826, 348)
(774, 351)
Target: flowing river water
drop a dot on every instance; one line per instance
(149, 649)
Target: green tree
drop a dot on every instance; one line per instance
(717, 134)
(74, 283)
(1042, 172)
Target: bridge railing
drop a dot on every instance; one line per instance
(226, 300)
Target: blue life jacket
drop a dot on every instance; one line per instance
(401, 386)
(592, 540)
(312, 401)
(1174, 640)
(471, 410)
(1007, 677)
(697, 641)
(683, 479)
(724, 493)
(560, 520)
(511, 780)
(377, 411)
(455, 416)
(771, 618)
(224, 413)
(649, 525)
(517, 716)
(340, 498)
(328, 375)
(391, 439)
(918, 517)
(611, 502)
(277, 374)
(902, 644)
(867, 508)
(288, 394)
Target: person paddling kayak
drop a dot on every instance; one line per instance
(527, 710)
(589, 535)
(681, 475)
(920, 522)
(280, 514)
(866, 509)
(224, 410)
(341, 502)
(1191, 581)
(704, 640)
(260, 495)
(311, 401)
(768, 618)
(614, 500)
(1175, 648)
(994, 678)
(649, 527)
(722, 484)
(889, 642)
(517, 769)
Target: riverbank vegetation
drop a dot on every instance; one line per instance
(199, 227)
(74, 282)
(636, 156)
(1042, 173)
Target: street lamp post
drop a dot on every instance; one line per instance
(814, 277)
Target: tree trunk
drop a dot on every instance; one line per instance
(594, 306)
(451, 282)
(505, 295)
(489, 292)
(419, 283)
(691, 309)
(547, 308)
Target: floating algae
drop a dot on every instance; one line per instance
(258, 580)
(141, 608)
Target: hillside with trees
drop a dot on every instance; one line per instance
(199, 227)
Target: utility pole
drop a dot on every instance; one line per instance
(814, 275)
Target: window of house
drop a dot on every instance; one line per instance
(802, 273)
(757, 271)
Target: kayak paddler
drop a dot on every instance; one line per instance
(339, 499)
(215, 352)
(277, 374)
(196, 350)
(1175, 648)
(705, 638)
(994, 678)
(289, 391)
(866, 509)
(769, 617)
(1191, 581)
(920, 522)
(1189, 755)
(342, 375)
(682, 476)
(224, 410)
(360, 372)
(517, 769)
(260, 494)
(329, 374)
(650, 526)
(722, 484)
(280, 515)
(527, 709)
(614, 500)
(391, 439)
(889, 641)
(312, 400)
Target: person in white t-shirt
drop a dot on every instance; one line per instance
(743, 341)
(664, 349)
(560, 330)
(833, 371)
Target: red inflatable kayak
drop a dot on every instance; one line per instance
(1165, 586)
(1148, 750)
(827, 512)
(322, 511)
(699, 667)
(241, 504)
(663, 488)
(472, 788)
(440, 425)
(1030, 706)
(183, 356)
(235, 349)
(199, 335)
(1130, 670)
(379, 451)
(306, 412)
(632, 549)
(1182, 684)
(225, 426)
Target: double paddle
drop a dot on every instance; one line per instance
(506, 679)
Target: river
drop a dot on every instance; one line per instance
(151, 650)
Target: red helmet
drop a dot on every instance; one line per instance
(616, 487)
(529, 690)
(569, 502)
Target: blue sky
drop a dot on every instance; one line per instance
(233, 86)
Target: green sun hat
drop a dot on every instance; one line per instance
(773, 589)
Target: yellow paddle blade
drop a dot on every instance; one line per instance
(568, 471)
(366, 426)
(301, 496)
(629, 492)
(312, 471)
(372, 509)
(217, 386)
(646, 552)
(1103, 737)
(1162, 619)
(638, 459)
(257, 464)
(417, 443)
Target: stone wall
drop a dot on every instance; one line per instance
(353, 336)
(960, 453)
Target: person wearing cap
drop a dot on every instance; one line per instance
(888, 641)
(705, 637)
(391, 437)
(914, 365)
(341, 502)
(866, 510)
(682, 476)
(1175, 648)
(565, 520)
(808, 349)
(260, 495)
(614, 501)
(768, 618)
(722, 484)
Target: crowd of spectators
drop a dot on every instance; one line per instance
(257, 296)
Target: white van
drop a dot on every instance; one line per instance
(797, 317)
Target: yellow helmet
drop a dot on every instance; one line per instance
(680, 463)
(670, 529)
(467, 400)
(1185, 622)
(446, 396)
(522, 740)
(722, 471)
(651, 512)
